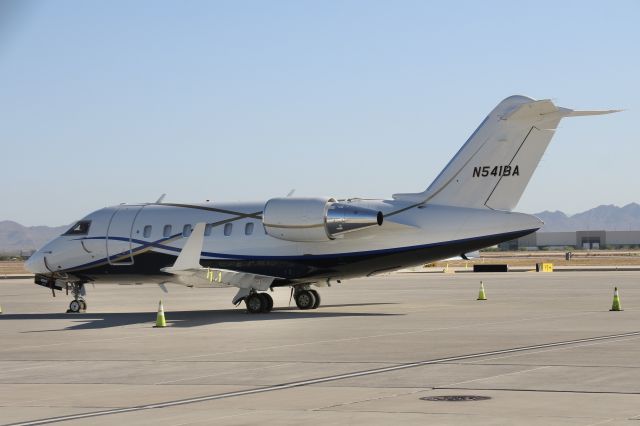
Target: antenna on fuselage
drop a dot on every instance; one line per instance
(291, 192)
(159, 201)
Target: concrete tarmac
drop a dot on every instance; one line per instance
(544, 348)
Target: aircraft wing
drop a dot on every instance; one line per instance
(187, 270)
(213, 277)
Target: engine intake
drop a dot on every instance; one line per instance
(315, 219)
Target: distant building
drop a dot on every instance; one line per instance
(589, 240)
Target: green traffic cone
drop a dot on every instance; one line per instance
(616, 301)
(481, 294)
(160, 321)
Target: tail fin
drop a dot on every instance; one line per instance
(494, 166)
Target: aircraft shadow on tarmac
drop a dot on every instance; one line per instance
(90, 320)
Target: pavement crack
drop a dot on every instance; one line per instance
(380, 398)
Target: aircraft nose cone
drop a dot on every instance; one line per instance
(35, 263)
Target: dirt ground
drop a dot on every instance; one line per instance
(12, 267)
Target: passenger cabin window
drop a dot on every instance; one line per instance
(80, 228)
(227, 229)
(166, 231)
(186, 230)
(147, 231)
(248, 228)
(207, 229)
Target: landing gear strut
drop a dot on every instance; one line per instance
(307, 299)
(259, 303)
(78, 304)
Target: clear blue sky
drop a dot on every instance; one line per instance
(103, 102)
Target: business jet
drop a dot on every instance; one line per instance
(303, 243)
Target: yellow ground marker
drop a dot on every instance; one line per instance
(544, 267)
(160, 321)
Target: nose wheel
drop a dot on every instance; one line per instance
(78, 304)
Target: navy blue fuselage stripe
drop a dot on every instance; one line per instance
(143, 245)
(298, 257)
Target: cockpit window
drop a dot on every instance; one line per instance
(80, 228)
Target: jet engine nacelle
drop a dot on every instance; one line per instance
(315, 219)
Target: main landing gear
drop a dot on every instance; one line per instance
(306, 299)
(78, 304)
(259, 303)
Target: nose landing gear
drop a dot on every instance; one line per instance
(78, 304)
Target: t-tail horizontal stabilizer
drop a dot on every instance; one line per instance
(187, 269)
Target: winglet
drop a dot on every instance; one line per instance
(189, 257)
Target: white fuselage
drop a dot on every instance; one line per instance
(131, 243)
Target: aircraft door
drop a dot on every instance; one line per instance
(119, 244)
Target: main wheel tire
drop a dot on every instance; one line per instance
(318, 299)
(305, 299)
(83, 304)
(75, 306)
(254, 303)
(267, 302)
